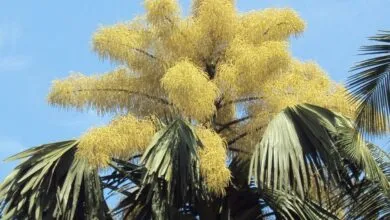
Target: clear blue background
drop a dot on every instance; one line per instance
(44, 40)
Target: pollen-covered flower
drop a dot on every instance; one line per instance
(189, 89)
(122, 138)
(270, 24)
(161, 12)
(257, 63)
(212, 156)
(305, 82)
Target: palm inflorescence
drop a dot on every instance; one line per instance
(213, 119)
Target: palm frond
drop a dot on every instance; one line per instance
(366, 200)
(243, 202)
(167, 180)
(370, 87)
(308, 142)
(52, 183)
(382, 158)
(134, 206)
(172, 164)
(248, 202)
(137, 203)
(126, 179)
(289, 206)
(365, 156)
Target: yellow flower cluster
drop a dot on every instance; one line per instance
(190, 65)
(226, 78)
(339, 100)
(256, 64)
(217, 21)
(190, 90)
(161, 12)
(270, 24)
(215, 36)
(123, 43)
(116, 91)
(212, 158)
(105, 93)
(122, 138)
(112, 92)
(302, 83)
(182, 42)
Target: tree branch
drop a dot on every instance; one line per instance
(139, 50)
(238, 150)
(227, 125)
(248, 99)
(146, 53)
(159, 99)
(234, 140)
(278, 24)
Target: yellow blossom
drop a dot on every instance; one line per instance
(190, 90)
(304, 83)
(270, 24)
(217, 22)
(116, 91)
(123, 42)
(188, 66)
(226, 79)
(182, 42)
(162, 12)
(122, 138)
(212, 156)
(197, 3)
(257, 64)
(105, 93)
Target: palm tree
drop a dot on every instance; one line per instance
(211, 124)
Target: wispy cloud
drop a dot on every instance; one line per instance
(10, 34)
(13, 63)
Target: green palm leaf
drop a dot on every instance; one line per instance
(248, 202)
(365, 156)
(172, 166)
(167, 179)
(290, 206)
(306, 142)
(134, 206)
(382, 159)
(370, 86)
(366, 200)
(52, 183)
(126, 180)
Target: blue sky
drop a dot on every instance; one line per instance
(44, 40)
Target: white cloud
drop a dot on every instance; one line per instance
(13, 63)
(10, 34)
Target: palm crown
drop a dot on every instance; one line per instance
(210, 122)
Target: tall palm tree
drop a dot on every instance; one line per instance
(180, 149)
